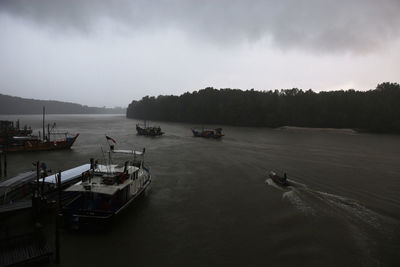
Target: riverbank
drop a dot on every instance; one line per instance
(311, 129)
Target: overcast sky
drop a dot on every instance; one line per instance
(108, 53)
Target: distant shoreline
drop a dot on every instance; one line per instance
(12, 105)
(318, 129)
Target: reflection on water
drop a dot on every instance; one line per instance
(209, 205)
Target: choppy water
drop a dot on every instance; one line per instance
(212, 204)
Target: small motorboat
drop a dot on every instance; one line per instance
(280, 180)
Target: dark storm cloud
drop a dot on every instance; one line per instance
(353, 25)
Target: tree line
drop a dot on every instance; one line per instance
(376, 110)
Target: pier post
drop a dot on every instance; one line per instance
(37, 179)
(35, 197)
(58, 180)
(43, 176)
(5, 162)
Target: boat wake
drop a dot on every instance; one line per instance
(318, 203)
(363, 224)
(291, 193)
(295, 198)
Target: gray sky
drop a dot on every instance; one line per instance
(107, 53)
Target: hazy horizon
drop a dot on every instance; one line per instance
(102, 53)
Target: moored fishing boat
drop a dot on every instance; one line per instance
(107, 190)
(208, 133)
(34, 143)
(14, 139)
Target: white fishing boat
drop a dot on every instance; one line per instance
(106, 190)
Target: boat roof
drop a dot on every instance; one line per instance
(123, 151)
(68, 174)
(96, 185)
(19, 179)
(114, 168)
(31, 175)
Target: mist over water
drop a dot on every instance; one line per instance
(211, 202)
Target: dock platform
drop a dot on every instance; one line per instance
(24, 249)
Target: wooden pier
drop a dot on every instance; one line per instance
(24, 249)
(46, 192)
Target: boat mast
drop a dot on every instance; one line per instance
(48, 132)
(43, 124)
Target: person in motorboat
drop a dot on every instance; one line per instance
(279, 179)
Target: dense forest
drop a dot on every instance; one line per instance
(18, 105)
(375, 110)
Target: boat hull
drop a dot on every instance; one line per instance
(38, 145)
(95, 220)
(206, 134)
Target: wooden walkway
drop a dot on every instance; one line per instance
(24, 249)
(16, 206)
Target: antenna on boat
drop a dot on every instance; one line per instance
(144, 150)
(134, 155)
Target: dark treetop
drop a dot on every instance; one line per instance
(375, 110)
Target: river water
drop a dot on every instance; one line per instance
(211, 203)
